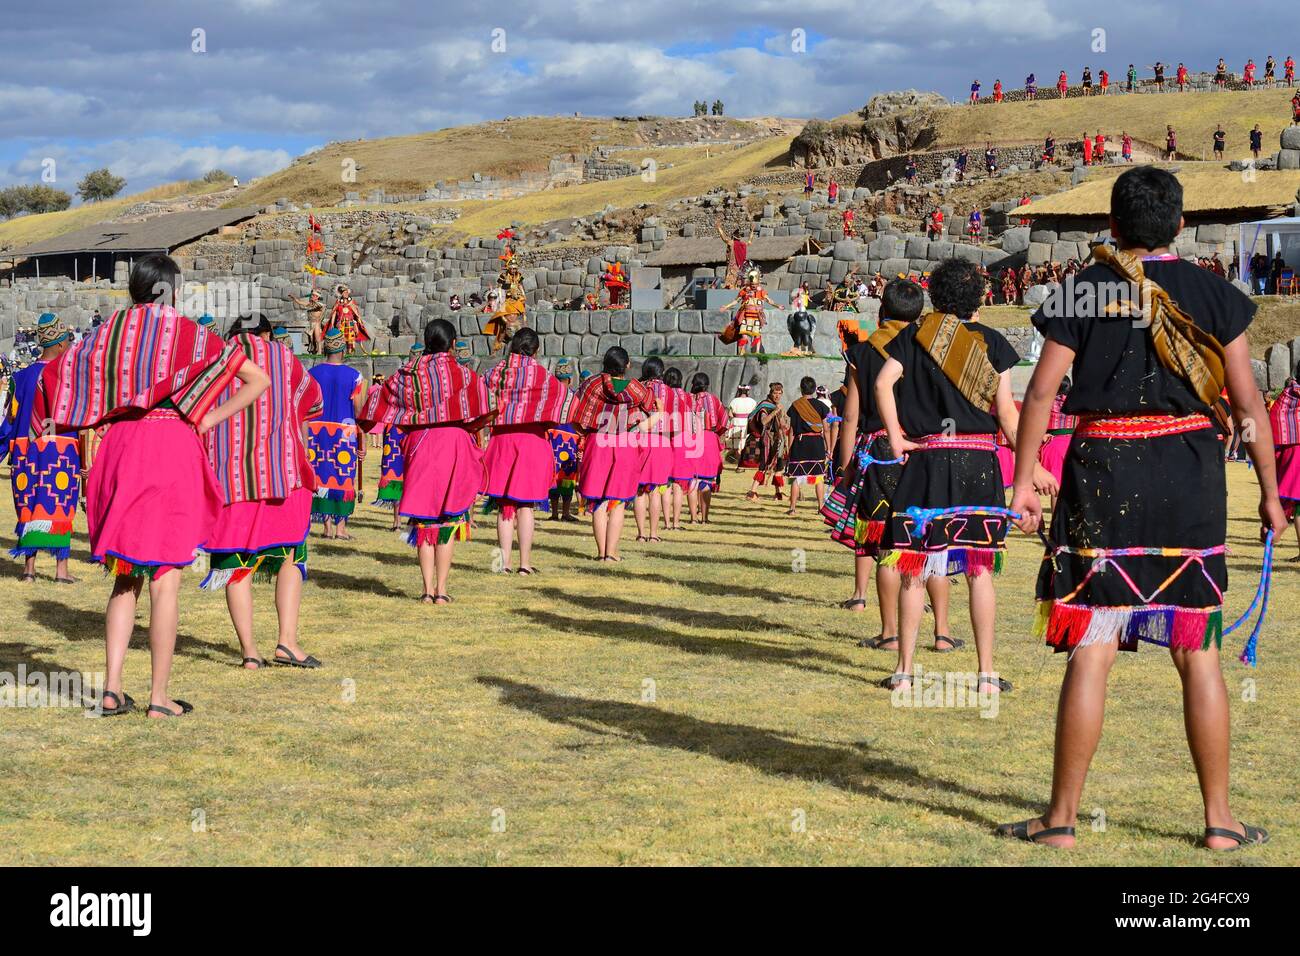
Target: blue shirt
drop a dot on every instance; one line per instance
(339, 384)
(18, 416)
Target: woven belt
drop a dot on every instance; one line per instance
(1140, 426)
(958, 443)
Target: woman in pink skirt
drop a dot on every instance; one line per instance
(529, 401)
(1060, 429)
(683, 470)
(657, 469)
(151, 498)
(261, 464)
(440, 406)
(1284, 416)
(711, 426)
(614, 449)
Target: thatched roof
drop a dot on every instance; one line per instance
(159, 234)
(710, 251)
(1204, 191)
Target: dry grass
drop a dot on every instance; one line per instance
(526, 701)
(25, 230)
(1205, 189)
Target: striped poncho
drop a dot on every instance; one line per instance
(138, 359)
(523, 392)
(711, 412)
(1284, 417)
(259, 454)
(432, 390)
(605, 403)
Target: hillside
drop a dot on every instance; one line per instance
(407, 164)
(24, 230)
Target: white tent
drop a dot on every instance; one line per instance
(1269, 236)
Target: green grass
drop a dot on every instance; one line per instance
(525, 697)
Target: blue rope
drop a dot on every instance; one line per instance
(1261, 601)
(865, 460)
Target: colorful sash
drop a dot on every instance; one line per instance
(880, 339)
(432, 390)
(46, 485)
(1284, 416)
(392, 469)
(809, 411)
(604, 399)
(1135, 427)
(962, 356)
(525, 393)
(332, 452)
(1181, 345)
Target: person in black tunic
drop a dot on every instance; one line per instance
(1144, 473)
(954, 390)
(858, 506)
(808, 428)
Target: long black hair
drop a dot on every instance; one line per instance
(615, 362)
(673, 378)
(699, 383)
(154, 279)
(652, 369)
(439, 336)
(525, 342)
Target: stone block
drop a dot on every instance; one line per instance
(1278, 360)
(1038, 253)
(1016, 240)
(704, 344)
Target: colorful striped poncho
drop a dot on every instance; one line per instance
(138, 359)
(525, 393)
(1284, 417)
(17, 421)
(1060, 423)
(711, 412)
(259, 453)
(432, 390)
(605, 403)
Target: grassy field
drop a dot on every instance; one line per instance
(691, 705)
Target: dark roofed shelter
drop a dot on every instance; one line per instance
(96, 250)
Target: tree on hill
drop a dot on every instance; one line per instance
(17, 200)
(99, 185)
(217, 176)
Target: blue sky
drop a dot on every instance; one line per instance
(88, 84)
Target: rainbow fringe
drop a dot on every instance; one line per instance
(1067, 626)
(425, 534)
(971, 562)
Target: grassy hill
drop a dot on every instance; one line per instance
(24, 230)
(499, 148)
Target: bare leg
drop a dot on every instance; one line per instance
(599, 527)
(706, 501)
(506, 538)
(939, 590)
(60, 570)
(794, 497)
(442, 560)
(1205, 716)
(911, 605)
(288, 602)
(862, 577)
(889, 585)
(655, 500)
(163, 616)
(119, 622)
(639, 507)
(524, 519)
(29, 565)
(239, 601)
(425, 553)
(983, 610)
(614, 530)
(820, 488)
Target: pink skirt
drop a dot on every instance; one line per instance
(1288, 472)
(444, 474)
(710, 461)
(1007, 462)
(657, 468)
(151, 498)
(1051, 455)
(683, 462)
(611, 468)
(250, 526)
(520, 465)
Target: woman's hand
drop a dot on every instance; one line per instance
(1025, 501)
(206, 424)
(1045, 482)
(901, 446)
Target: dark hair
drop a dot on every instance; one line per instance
(699, 383)
(807, 385)
(439, 336)
(525, 342)
(1064, 387)
(255, 323)
(152, 278)
(957, 287)
(616, 361)
(1147, 206)
(673, 378)
(652, 369)
(902, 300)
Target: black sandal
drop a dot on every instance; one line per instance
(27, 578)
(123, 704)
(851, 603)
(878, 643)
(1002, 685)
(65, 580)
(259, 661)
(529, 571)
(185, 708)
(1020, 831)
(1254, 836)
(893, 680)
(425, 599)
(441, 598)
(955, 643)
(290, 661)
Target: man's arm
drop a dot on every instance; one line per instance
(1257, 433)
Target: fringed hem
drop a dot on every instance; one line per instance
(23, 552)
(508, 506)
(595, 503)
(122, 568)
(389, 495)
(1067, 626)
(263, 566)
(331, 509)
(428, 534)
(971, 562)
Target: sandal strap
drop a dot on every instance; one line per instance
(1230, 834)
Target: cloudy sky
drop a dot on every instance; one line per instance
(164, 91)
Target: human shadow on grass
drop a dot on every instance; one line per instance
(333, 580)
(799, 658)
(74, 624)
(768, 751)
